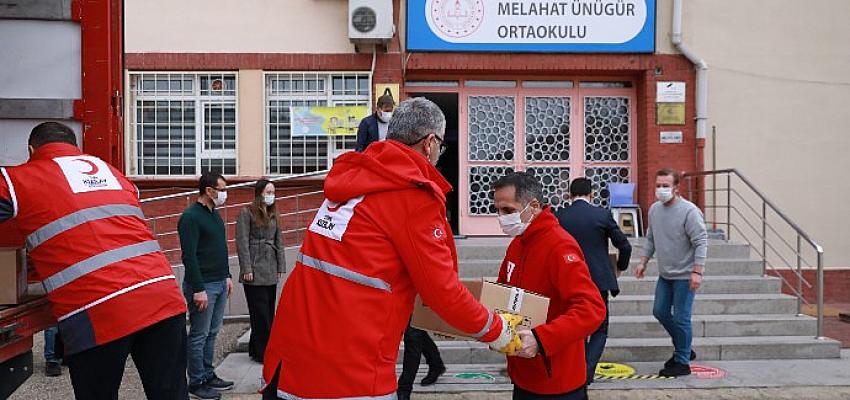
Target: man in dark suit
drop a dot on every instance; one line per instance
(374, 127)
(592, 227)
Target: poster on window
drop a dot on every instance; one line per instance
(326, 121)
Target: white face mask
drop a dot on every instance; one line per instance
(512, 224)
(268, 199)
(664, 194)
(386, 116)
(220, 199)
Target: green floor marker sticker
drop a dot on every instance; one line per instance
(475, 375)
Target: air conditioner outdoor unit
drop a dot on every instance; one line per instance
(370, 21)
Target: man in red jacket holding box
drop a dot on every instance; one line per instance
(380, 237)
(543, 258)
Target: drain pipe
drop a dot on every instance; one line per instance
(702, 70)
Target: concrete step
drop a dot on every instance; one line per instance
(660, 349)
(645, 326)
(493, 248)
(721, 284)
(490, 267)
(716, 250)
(726, 348)
(713, 304)
(713, 267)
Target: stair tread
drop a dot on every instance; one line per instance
(665, 341)
(700, 296)
(717, 318)
(624, 278)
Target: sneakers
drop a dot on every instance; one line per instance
(673, 359)
(433, 375)
(675, 369)
(204, 392)
(52, 369)
(219, 384)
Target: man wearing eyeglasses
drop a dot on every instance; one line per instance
(380, 238)
(207, 284)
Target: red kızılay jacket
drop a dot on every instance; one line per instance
(81, 224)
(379, 238)
(546, 260)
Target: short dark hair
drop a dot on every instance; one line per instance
(581, 187)
(209, 180)
(386, 99)
(669, 172)
(526, 185)
(51, 132)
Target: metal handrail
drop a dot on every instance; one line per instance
(170, 232)
(764, 198)
(768, 204)
(239, 185)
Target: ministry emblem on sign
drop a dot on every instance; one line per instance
(456, 18)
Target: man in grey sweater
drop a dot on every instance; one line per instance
(677, 236)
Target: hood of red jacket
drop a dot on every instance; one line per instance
(384, 166)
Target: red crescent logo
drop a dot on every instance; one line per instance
(94, 168)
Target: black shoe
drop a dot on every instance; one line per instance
(403, 395)
(675, 369)
(673, 359)
(433, 375)
(204, 392)
(257, 359)
(219, 384)
(53, 368)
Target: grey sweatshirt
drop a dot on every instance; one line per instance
(677, 235)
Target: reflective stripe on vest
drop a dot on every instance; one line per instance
(286, 396)
(114, 295)
(344, 273)
(487, 326)
(97, 262)
(78, 218)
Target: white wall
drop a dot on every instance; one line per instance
(231, 26)
(779, 95)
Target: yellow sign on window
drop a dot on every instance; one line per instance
(322, 121)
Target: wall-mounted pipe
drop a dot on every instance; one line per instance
(701, 66)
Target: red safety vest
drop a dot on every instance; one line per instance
(103, 270)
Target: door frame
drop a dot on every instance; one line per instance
(478, 225)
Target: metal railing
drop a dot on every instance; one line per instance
(764, 228)
(293, 211)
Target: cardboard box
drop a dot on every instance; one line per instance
(13, 276)
(495, 297)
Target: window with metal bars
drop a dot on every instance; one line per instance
(289, 155)
(182, 124)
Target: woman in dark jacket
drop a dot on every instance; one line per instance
(261, 263)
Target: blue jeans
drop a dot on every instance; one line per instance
(203, 329)
(50, 344)
(675, 296)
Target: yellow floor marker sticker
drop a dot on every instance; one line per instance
(614, 371)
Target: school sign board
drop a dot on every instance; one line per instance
(566, 26)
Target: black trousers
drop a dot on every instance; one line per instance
(595, 345)
(522, 394)
(261, 301)
(159, 352)
(416, 343)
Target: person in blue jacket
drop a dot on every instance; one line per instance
(374, 127)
